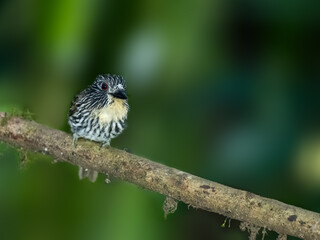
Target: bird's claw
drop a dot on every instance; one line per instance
(74, 141)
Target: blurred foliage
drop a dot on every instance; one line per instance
(225, 90)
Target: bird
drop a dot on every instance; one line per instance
(99, 113)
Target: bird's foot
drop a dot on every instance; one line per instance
(74, 141)
(127, 150)
(104, 144)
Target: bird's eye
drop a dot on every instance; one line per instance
(104, 86)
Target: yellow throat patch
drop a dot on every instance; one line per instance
(114, 112)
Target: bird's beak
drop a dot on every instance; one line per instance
(119, 94)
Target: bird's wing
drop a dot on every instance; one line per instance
(75, 102)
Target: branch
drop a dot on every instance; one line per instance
(173, 183)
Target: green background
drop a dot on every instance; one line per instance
(225, 90)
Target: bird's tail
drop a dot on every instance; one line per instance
(87, 173)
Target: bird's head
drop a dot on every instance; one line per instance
(107, 88)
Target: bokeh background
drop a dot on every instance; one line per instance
(226, 90)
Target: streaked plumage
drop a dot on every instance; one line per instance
(99, 113)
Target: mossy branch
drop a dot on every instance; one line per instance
(173, 183)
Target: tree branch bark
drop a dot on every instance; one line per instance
(195, 191)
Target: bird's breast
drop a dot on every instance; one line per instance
(114, 112)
